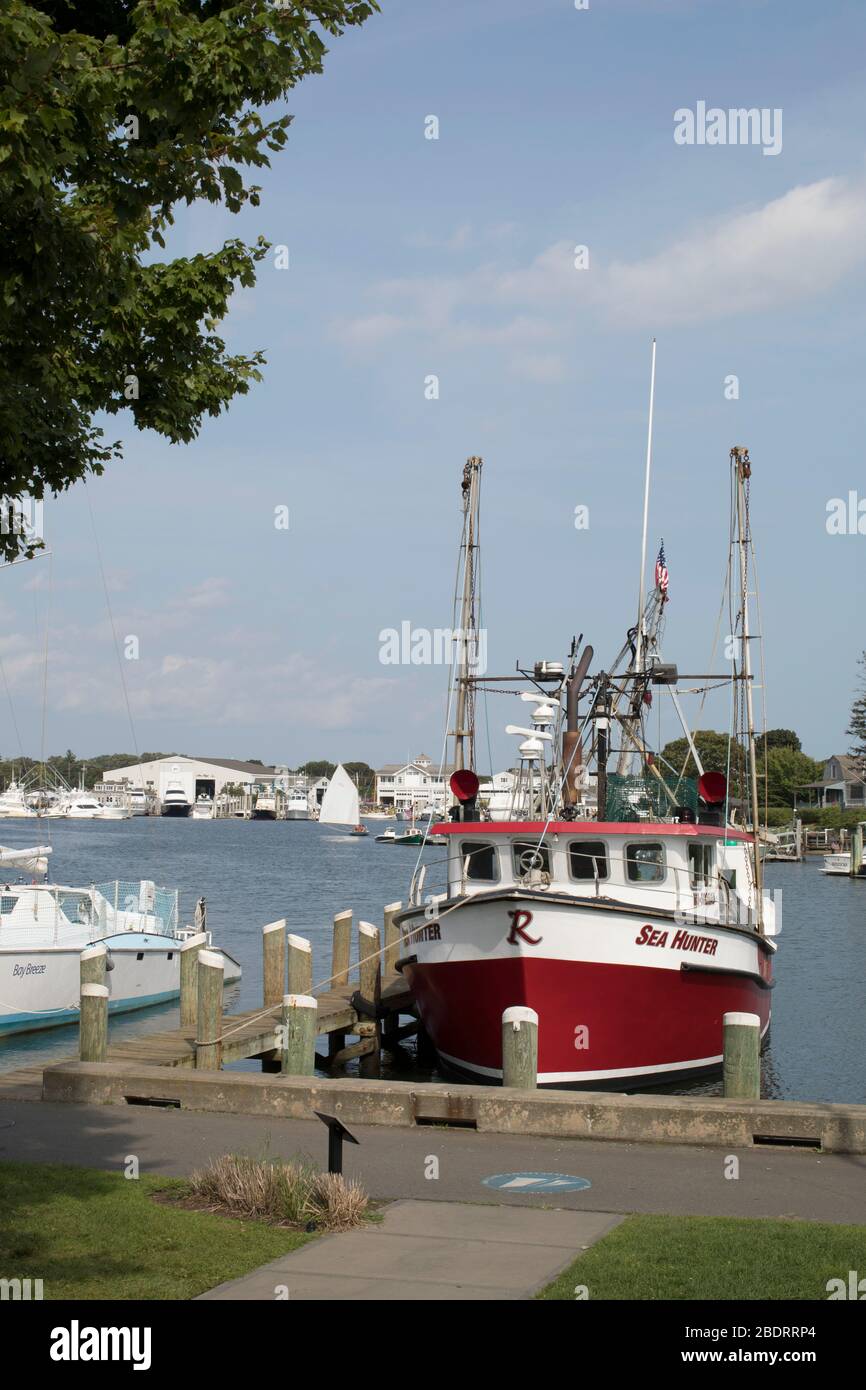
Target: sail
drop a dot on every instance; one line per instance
(340, 802)
(31, 861)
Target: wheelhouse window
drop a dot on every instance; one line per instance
(587, 860)
(645, 862)
(530, 858)
(702, 859)
(480, 860)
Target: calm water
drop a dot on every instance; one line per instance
(252, 872)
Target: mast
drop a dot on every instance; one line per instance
(464, 723)
(740, 461)
(638, 661)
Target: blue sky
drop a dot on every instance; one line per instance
(454, 257)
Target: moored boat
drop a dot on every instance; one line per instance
(624, 908)
(45, 927)
(175, 802)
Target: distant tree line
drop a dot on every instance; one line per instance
(71, 767)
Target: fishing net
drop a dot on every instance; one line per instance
(648, 798)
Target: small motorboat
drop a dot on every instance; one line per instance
(387, 837)
(359, 830)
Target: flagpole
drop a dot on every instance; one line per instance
(638, 660)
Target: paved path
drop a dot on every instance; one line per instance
(429, 1251)
(393, 1163)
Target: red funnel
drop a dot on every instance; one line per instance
(712, 787)
(464, 784)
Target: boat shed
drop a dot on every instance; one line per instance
(197, 776)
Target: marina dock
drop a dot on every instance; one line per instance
(341, 1012)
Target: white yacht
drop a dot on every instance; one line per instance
(203, 808)
(265, 807)
(81, 806)
(45, 927)
(13, 805)
(137, 798)
(298, 805)
(175, 802)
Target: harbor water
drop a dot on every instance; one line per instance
(253, 872)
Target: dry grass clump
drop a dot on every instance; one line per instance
(286, 1194)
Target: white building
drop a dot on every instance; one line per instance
(197, 776)
(418, 784)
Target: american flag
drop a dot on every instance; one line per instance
(662, 570)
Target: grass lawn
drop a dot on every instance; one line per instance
(708, 1257)
(89, 1234)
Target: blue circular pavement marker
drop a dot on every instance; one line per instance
(536, 1182)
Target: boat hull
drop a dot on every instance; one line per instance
(39, 986)
(617, 1007)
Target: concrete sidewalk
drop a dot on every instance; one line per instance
(430, 1251)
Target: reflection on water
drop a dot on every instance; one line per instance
(253, 872)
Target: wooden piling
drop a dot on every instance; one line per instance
(300, 965)
(92, 965)
(189, 954)
(392, 937)
(299, 1035)
(741, 1070)
(93, 1023)
(208, 1048)
(856, 840)
(341, 954)
(370, 971)
(273, 962)
(520, 1048)
(391, 1024)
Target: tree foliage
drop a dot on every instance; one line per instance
(712, 748)
(779, 738)
(788, 770)
(113, 113)
(72, 768)
(857, 727)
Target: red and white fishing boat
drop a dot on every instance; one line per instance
(625, 908)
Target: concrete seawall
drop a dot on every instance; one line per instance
(560, 1114)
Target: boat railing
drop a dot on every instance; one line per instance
(694, 901)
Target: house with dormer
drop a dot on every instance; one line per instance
(843, 785)
(418, 783)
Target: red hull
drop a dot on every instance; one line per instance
(641, 1024)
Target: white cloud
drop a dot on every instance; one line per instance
(790, 249)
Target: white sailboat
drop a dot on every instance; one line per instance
(341, 804)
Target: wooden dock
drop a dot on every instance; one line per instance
(340, 1012)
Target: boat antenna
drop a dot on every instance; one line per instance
(638, 660)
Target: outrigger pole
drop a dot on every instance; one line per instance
(463, 728)
(743, 467)
(638, 660)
